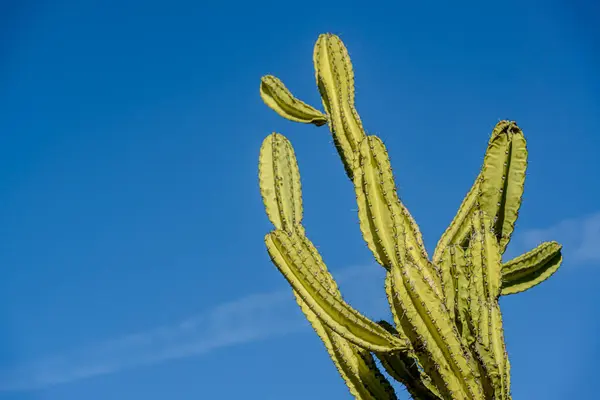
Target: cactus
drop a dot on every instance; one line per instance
(447, 340)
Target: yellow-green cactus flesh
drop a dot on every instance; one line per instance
(275, 95)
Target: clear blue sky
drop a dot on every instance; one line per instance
(131, 228)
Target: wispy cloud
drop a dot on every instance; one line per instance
(580, 237)
(251, 318)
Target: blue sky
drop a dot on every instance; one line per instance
(131, 226)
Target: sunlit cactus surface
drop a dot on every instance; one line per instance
(446, 340)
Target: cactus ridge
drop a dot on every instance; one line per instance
(279, 98)
(447, 341)
(531, 268)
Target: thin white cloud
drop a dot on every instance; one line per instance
(580, 238)
(252, 318)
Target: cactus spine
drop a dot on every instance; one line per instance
(447, 341)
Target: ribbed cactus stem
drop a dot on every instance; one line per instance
(279, 180)
(503, 179)
(531, 268)
(279, 98)
(486, 276)
(381, 214)
(335, 80)
(448, 340)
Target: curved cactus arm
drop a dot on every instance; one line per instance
(404, 367)
(362, 370)
(354, 364)
(498, 189)
(297, 261)
(503, 179)
(370, 381)
(531, 268)
(335, 80)
(275, 95)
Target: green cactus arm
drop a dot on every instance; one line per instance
(335, 80)
(531, 268)
(369, 381)
(503, 178)
(341, 363)
(275, 95)
(498, 188)
(297, 261)
(354, 364)
(485, 265)
(423, 317)
(404, 367)
(279, 181)
(381, 214)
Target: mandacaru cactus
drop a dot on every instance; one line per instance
(447, 340)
